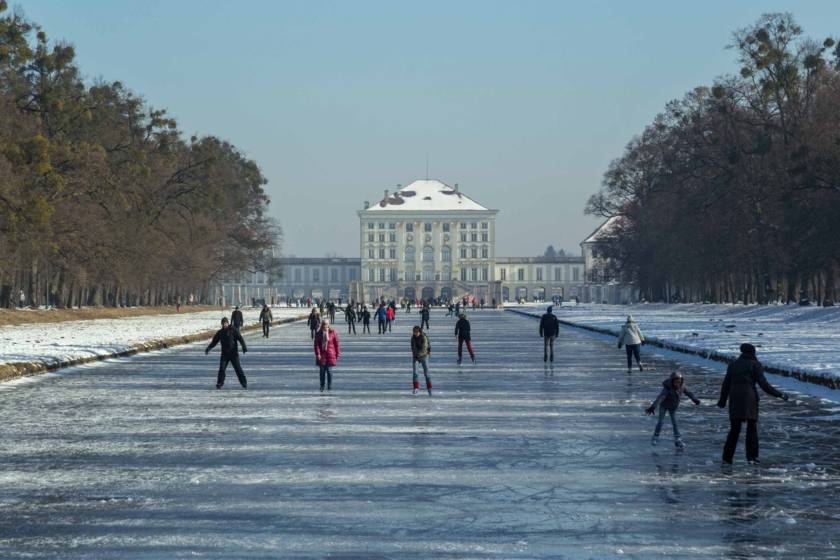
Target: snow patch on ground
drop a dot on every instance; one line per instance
(54, 343)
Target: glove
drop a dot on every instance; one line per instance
(697, 401)
(721, 404)
(785, 397)
(650, 410)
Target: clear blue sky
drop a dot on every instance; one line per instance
(522, 103)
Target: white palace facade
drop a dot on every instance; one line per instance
(430, 240)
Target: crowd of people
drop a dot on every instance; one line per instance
(739, 389)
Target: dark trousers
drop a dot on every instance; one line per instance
(351, 327)
(365, 328)
(234, 361)
(548, 347)
(381, 326)
(326, 374)
(388, 324)
(266, 326)
(461, 342)
(424, 322)
(311, 332)
(735, 433)
(633, 351)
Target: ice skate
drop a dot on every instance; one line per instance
(415, 391)
(654, 441)
(678, 443)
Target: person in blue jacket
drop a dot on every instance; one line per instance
(382, 317)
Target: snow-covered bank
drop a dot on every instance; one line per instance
(799, 342)
(35, 348)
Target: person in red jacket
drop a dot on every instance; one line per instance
(327, 352)
(389, 315)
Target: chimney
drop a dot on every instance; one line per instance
(386, 194)
(456, 187)
(367, 204)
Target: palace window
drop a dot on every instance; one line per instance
(392, 237)
(409, 227)
(484, 274)
(370, 275)
(392, 225)
(539, 274)
(485, 252)
(333, 275)
(371, 254)
(446, 254)
(474, 225)
(463, 237)
(474, 252)
(381, 274)
(446, 227)
(484, 225)
(503, 274)
(392, 253)
(382, 238)
(381, 225)
(558, 274)
(370, 238)
(316, 275)
(485, 237)
(428, 254)
(463, 252)
(427, 227)
(381, 252)
(463, 275)
(370, 225)
(409, 254)
(520, 274)
(463, 225)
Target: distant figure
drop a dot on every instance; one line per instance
(178, 305)
(22, 299)
(668, 401)
(350, 317)
(450, 310)
(313, 322)
(228, 338)
(390, 316)
(738, 387)
(236, 319)
(265, 319)
(420, 351)
(327, 352)
(424, 317)
(365, 320)
(331, 310)
(632, 338)
(381, 317)
(549, 329)
(463, 334)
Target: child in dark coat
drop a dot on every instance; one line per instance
(668, 401)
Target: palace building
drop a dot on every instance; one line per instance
(430, 240)
(426, 240)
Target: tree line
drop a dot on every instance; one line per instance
(103, 201)
(732, 193)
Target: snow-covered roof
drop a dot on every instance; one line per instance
(426, 195)
(604, 230)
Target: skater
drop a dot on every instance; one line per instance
(738, 387)
(350, 317)
(462, 333)
(265, 319)
(424, 317)
(331, 311)
(549, 328)
(668, 401)
(390, 315)
(327, 352)
(632, 338)
(228, 337)
(408, 306)
(420, 351)
(236, 319)
(365, 314)
(381, 317)
(314, 322)
(450, 310)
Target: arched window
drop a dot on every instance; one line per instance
(428, 254)
(446, 254)
(409, 254)
(428, 274)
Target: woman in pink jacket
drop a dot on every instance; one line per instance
(327, 352)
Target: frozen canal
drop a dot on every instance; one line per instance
(143, 458)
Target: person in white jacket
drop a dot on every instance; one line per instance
(631, 338)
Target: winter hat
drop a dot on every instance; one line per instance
(677, 375)
(550, 308)
(748, 349)
(225, 320)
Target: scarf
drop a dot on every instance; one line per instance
(325, 339)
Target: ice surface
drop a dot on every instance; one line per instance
(143, 458)
(59, 342)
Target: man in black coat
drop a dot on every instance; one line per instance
(237, 319)
(424, 317)
(463, 334)
(549, 328)
(228, 338)
(738, 387)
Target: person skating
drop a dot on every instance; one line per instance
(632, 338)
(738, 388)
(668, 401)
(450, 309)
(390, 315)
(265, 319)
(313, 322)
(424, 317)
(381, 317)
(331, 311)
(327, 352)
(228, 337)
(549, 328)
(365, 315)
(464, 336)
(421, 348)
(350, 317)
(236, 319)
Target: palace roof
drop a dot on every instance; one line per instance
(426, 195)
